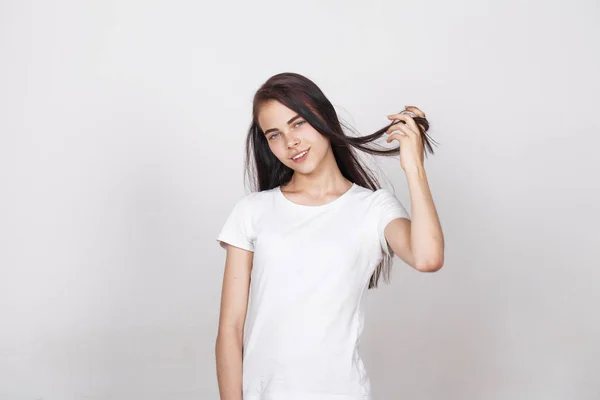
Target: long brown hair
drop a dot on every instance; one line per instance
(264, 171)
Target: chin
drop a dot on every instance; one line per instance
(303, 169)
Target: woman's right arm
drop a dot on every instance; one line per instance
(234, 304)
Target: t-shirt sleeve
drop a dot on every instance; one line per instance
(388, 208)
(237, 230)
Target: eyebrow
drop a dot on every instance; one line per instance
(289, 122)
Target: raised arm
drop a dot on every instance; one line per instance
(234, 304)
(421, 242)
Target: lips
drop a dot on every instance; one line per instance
(300, 153)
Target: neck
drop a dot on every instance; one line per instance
(326, 178)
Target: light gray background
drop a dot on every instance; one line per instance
(122, 126)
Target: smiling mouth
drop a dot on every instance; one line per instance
(300, 156)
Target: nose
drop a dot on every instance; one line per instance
(293, 142)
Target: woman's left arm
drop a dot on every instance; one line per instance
(419, 241)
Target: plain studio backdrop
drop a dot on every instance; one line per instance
(122, 135)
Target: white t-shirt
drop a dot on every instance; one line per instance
(310, 274)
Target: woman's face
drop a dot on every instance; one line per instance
(291, 138)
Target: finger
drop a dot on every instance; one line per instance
(400, 134)
(407, 119)
(403, 128)
(415, 110)
(399, 126)
(397, 132)
(396, 135)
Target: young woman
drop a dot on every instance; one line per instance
(307, 243)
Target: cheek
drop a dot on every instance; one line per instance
(321, 142)
(278, 150)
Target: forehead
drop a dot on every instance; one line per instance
(273, 114)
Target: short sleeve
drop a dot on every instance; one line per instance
(237, 229)
(387, 208)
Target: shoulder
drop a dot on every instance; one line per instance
(262, 197)
(374, 197)
(255, 202)
(382, 203)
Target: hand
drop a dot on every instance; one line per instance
(409, 137)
